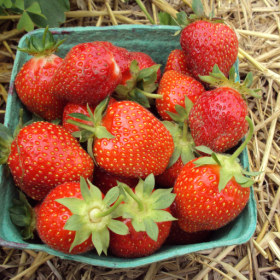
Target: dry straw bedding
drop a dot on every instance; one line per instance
(258, 27)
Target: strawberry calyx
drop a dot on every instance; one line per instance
(141, 86)
(145, 207)
(229, 164)
(23, 216)
(37, 47)
(94, 216)
(179, 129)
(217, 79)
(89, 132)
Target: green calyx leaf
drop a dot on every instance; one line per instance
(141, 86)
(197, 7)
(145, 207)
(218, 79)
(204, 150)
(94, 216)
(35, 46)
(166, 19)
(23, 216)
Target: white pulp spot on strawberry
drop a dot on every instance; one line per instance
(117, 68)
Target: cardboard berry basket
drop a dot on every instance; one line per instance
(158, 42)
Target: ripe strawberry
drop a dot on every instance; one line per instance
(177, 236)
(206, 42)
(217, 119)
(88, 74)
(122, 58)
(42, 156)
(129, 140)
(34, 77)
(212, 191)
(147, 215)
(177, 61)
(74, 218)
(105, 180)
(174, 86)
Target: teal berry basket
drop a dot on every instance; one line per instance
(158, 42)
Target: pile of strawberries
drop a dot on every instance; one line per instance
(126, 159)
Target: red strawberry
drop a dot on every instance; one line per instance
(174, 86)
(44, 155)
(122, 58)
(140, 143)
(217, 119)
(177, 61)
(105, 180)
(74, 219)
(212, 191)
(147, 215)
(34, 77)
(177, 236)
(207, 43)
(144, 61)
(88, 74)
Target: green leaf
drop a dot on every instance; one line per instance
(118, 227)
(95, 192)
(181, 112)
(149, 185)
(204, 161)
(251, 173)
(197, 7)
(85, 135)
(89, 147)
(25, 22)
(96, 240)
(248, 184)
(175, 156)
(171, 127)
(182, 19)
(75, 222)
(188, 105)
(232, 74)
(187, 154)
(35, 9)
(105, 239)
(141, 98)
(214, 156)
(146, 72)
(204, 150)
(164, 201)
(111, 196)
(138, 225)
(19, 4)
(225, 176)
(134, 69)
(248, 80)
(158, 193)
(20, 220)
(161, 216)
(80, 117)
(151, 228)
(7, 3)
(166, 19)
(101, 107)
(75, 205)
(85, 190)
(240, 179)
(102, 132)
(139, 188)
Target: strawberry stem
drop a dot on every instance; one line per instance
(151, 95)
(109, 211)
(185, 131)
(132, 194)
(244, 144)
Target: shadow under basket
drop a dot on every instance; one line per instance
(158, 42)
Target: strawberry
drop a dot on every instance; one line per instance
(74, 218)
(34, 77)
(207, 42)
(174, 86)
(177, 236)
(88, 74)
(105, 180)
(147, 215)
(217, 119)
(212, 191)
(43, 155)
(177, 61)
(129, 140)
(122, 58)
